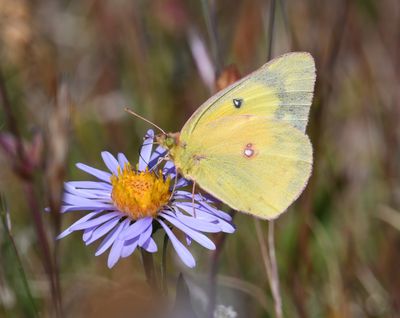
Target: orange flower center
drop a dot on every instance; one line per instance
(139, 194)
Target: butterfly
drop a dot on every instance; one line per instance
(246, 145)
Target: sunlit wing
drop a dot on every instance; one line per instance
(281, 90)
(253, 164)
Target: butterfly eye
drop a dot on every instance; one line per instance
(237, 102)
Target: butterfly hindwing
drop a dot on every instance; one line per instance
(251, 163)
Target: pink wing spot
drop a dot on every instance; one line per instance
(249, 150)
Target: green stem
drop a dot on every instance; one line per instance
(164, 266)
(5, 221)
(148, 265)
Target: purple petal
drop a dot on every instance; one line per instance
(87, 234)
(100, 174)
(203, 215)
(103, 229)
(97, 221)
(200, 214)
(136, 228)
(182, 182)
(78, 200)
(150, 246)
(88, 193)
(81, 220)
(217, 212)
(196, 236)
(116, 248)
(129, 247)
(90, 185)
(180, 249)
(188, 240)
(226, 226)
(109, 239)
(122, 160)
(111, 162)
(196, 223)
(145, 235)
(169, 169)
(69, 208)
(156, 155)
(145, 152)
(204, 209)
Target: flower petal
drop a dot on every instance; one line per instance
(129, 247)
(97, 221)
(103, 229)
(196, 236)
(182, 182)
(150, 246)
(169, 169)
(90, 185)
(196, 223)
(110, 161)
(100, 174)
(69, 208)
(122, 160)
(200, 214)
(136, 228)
(116, 247)
(180, 249)
(69, 230)
(145, 235)
(160, 152)
(226, 226)
(72, 199)
(87, 234)
(99, 194)
(110, 238)
(145, 152)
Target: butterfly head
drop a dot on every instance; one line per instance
(169, 140)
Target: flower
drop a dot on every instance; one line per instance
(128, 205)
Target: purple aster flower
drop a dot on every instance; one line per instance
(126, 205)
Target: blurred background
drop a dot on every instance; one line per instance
(67, 70)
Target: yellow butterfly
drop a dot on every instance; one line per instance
(246, 145)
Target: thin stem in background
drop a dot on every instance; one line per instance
(10, 118)
(23, 167)
(214, 267)
(270, 29)
(268, 254)
(164, 266)
(47, 259)
(149, 270)
(274, 270)
(270, 264)
(5, 219)
(209, 16)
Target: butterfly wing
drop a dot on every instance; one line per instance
(280, 90)
(253, 164)
(246, 144)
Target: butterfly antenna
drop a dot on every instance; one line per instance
(130, 111)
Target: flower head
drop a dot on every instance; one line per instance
(127, 204)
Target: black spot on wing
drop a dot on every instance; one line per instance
(237, 102)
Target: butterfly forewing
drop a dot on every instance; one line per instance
(281, 89)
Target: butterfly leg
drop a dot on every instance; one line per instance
(173, 189)
(193, 189)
